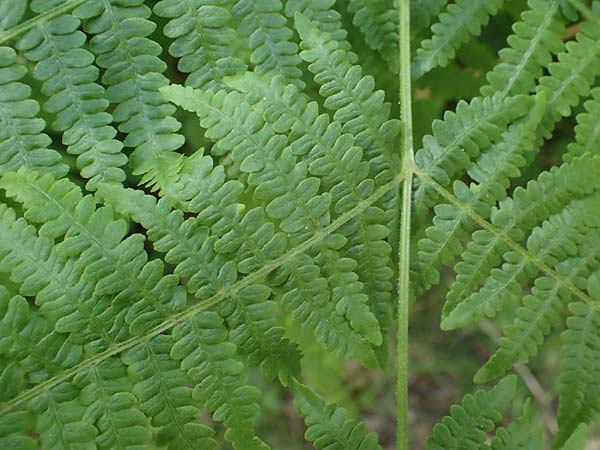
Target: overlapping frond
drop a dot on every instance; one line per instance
(265, 29)
(281, 183)
(378, 21)
(334, 158)
(22, 140)
(461, 20)
(460, 137)
(203, 40)
(251, 317)
(515, 216)
(587, 131)
(536, 40)
(133, 74)
(69, 81)
(329, 426)
(469, 423)
(491, 173)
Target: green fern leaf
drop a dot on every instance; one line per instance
(251, 318)
(11, 11)
(555, 240)
(12, 431)
(133, 74)
(461, 136)
(329, 426)
(323, 15)
(587, 131)
(378, 21)
(492, 172)
(519, 435)
(523, 211)
(269, 38)
(210, 361)
(580, 367)
(22, 141)
(69, 82)
(107, 394)
(333, 158)
(202, 40)
(467, 426)
(456, 25)
(536, 40)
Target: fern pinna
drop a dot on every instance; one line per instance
(195, 191)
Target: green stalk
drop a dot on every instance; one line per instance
(408, 163)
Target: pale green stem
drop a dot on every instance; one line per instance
(408, 163)
(585, 11)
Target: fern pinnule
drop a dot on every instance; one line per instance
(202, 40)
(13, 427)
(107, 394)
(460, 21)
(536, 40)
(266, 33)
(468, 425)
(378, 21)
(133, 74)
(571, 77)
(69, 81)
(22, 141)
(328, 425)
(423, 12)
(580, 367)
(323, 15)
(210, 361)
(163, 392)
(587, 131)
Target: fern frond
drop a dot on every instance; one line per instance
(536, 39)
(572, 77)
(22, 141)
(92, 237)
(519, 435)
(328, 425)
(36, 354)
(69, 81)
(133, 75)
(491, 172)
(467, 426)
(361, 110)
(162, 389)
(555, 240)
(460, 21)
(210, 361)
(107, 394)
(540, 311)
(580, 366)
(587, 131)
(202, 40)
(251, 317)
(290, 195)
(460, 137)
(332, 157)
(323, 15)
(378, 21)
(423, 12)
(528, 207)
(269, 38)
